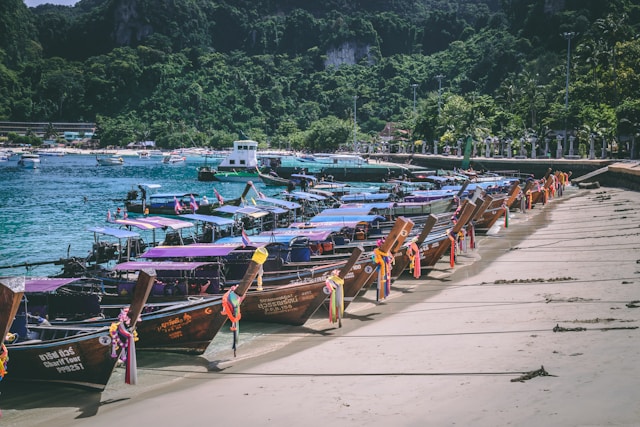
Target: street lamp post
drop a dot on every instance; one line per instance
(355, 124)
(439, 77)
(414, 86)
(592, 148)
(487, 152)
(560, 149)
(509, 142)
(568, 36)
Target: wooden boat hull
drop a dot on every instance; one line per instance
(78, 356)
(291, 304)
(185, 327)
(82, 360)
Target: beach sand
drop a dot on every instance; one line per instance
(461, 347)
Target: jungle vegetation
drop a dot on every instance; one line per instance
(290, 73)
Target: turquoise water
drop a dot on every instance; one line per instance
(45, 212)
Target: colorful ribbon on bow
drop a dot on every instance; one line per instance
(506, 215)
(123, 339)
(452, 251)
(334, 285)
(4, 359)
(413, 252)
(231, 308)
(383, 262)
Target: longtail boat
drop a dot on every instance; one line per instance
(79, 356)
(295, 303)
(186, 326)
(379, 262)
(410, 252)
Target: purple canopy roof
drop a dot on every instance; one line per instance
(191, 251)
(312, 234)
(46, 284)
(159, 265)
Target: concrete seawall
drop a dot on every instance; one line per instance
(611, 173)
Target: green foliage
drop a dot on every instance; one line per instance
(187, 72)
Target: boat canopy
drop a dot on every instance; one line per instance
(216, 220)
(114, 232)
(160, 265)
(161, 221)
(171, 195)
(347, 211)
(282, 203)
(242, 210)
(261, 240)
(132, 222)
(47, 284)
(347, 218)
(316, 235)
(332, 226)
(370, 206)
(303, 195)
(192, 251)
(365, 196)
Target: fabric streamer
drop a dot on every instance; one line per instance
(124, 340)
(413, 252)
(506, 215)
(334, 285)
(4, 360)
(383, 261)
(472, 236)
(452, 253)
(231, 308)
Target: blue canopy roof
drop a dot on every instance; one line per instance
(114, 232)
(279, 202)
(347, 218)
(347, 211)
(365, 196)
(260, 240)
(217, 220)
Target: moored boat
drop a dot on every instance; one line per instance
(114, 160)
(29, 161)
(78, 356)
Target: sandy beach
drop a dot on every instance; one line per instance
(537, 326)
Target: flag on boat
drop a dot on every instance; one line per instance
(193, 204)
(177, 207)
(245, 239)
(218, 196)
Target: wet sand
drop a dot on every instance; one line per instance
(457, 347)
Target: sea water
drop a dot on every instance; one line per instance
(45, 212)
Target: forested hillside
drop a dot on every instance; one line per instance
(291, 72)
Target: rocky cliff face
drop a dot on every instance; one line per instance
(129, 26)
(348, 53)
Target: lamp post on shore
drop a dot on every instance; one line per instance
(568, 36)
(355, 124)
(414, 86)
(560, 148)
(592, 148)
(439, 77)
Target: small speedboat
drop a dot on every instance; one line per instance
(29, 161)
(110, 161)
(174, 159)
